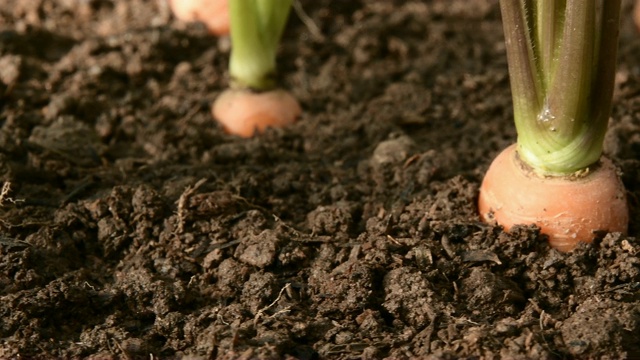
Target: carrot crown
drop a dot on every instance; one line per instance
(562, 58)
(256, 27)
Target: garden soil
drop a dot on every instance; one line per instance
(131, 226)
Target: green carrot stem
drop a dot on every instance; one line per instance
(561, 57)
(549, 18)
(605, 71)
(525, 81)
(256, 29)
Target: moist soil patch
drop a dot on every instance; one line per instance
(132, 226)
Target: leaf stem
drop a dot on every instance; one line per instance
(561, 56)
(256, 29)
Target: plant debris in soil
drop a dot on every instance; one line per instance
(132, 226)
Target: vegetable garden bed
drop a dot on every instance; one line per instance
(132, 226)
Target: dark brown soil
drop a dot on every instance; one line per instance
(131, 226)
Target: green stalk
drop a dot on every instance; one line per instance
(561, 57)
(256, 29)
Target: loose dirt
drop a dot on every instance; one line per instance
(131, 226)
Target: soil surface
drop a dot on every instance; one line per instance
(131, 226)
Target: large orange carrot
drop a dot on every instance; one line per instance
(214, 14)
(567, 209)
(561, 57)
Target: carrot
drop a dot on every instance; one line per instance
(568, 209)
(243, 112)
(214, 14)
(254, 101)
(561, 58)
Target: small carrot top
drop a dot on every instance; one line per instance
(256, 29)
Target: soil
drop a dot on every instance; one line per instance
(131, 226)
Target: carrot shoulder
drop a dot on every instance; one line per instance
(244, 112)
(569, 209)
